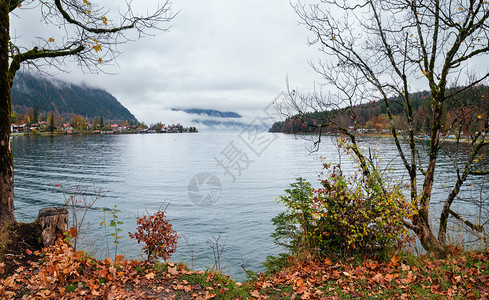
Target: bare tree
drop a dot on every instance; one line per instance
(91, 35)
(381, 52)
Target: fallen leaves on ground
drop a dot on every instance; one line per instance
(62, 273)
(461, 276)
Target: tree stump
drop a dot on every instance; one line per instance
(53, 221)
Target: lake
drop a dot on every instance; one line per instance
(216, 183)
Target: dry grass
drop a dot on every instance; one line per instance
(4, 239)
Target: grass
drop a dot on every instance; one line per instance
(463, 275)
(4, 239)
(222, 285)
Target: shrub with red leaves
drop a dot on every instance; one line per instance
(157, 234)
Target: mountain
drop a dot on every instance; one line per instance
(213, 124)
(463, 106)
(65, 99)
(215, 119)
(209, 112)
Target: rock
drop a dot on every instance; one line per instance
(53, 221)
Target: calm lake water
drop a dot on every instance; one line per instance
(141, 172)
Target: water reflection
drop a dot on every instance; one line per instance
(140, 172)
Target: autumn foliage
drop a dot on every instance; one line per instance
(360, 214)
(357, 214)
(59, 272)
(462, 276)
(63, 273)
(156, 232)
(340, 220)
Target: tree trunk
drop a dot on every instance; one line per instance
(6, 157)
(428, 240)
(53, 221)
(423, 230)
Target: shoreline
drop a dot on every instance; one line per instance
(383, 135)
(89, 133)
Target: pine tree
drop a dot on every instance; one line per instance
(51, 122)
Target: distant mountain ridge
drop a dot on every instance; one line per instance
(215, 119)
(209, 112)
(65, 99)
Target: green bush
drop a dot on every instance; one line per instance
(347, 216)
(295, 225)
(360, 214)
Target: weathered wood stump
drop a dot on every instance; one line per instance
(53, 221)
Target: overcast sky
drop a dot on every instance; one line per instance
(219, 54)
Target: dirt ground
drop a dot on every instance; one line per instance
(23, 240)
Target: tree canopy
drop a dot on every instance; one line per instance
(384, 51)
(86, 31)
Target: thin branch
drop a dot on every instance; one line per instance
(473, 226)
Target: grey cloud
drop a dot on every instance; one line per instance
(219, 54)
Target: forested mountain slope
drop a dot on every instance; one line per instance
(65, 99)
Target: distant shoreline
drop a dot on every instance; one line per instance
(384, 135)
(90, 133)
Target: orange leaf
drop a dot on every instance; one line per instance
(301, 290)
(306, 295)
(119, 257)
(327, 262)
(299, 283)
(173, 271)
(406, 280)
(112, 270)
(395, 260)
(405, 267)
(109, 261)
(255, 294)
(370, 264)
(378, 278)
(103, 273)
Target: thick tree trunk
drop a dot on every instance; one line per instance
(428, 240)
(6, 158)
(53, 222)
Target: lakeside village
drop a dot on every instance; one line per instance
(79, 126)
